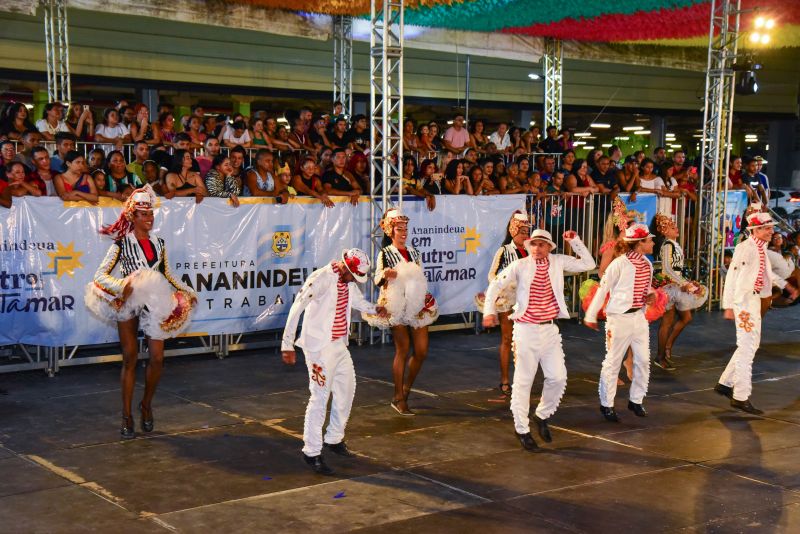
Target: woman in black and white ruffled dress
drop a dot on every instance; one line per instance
(143, 295)
(410, 308)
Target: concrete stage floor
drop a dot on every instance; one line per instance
(225, 456)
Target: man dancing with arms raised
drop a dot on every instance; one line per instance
(537, 341)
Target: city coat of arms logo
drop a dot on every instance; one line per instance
(281, 244)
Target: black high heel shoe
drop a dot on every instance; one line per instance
(147, 423)
(127, 431)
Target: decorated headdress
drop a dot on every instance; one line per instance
(518, 221)
(636, 232)
(392, 218)
(759, 220)
(357, 263)
(142, 199)
(619, 214)
(754, 207)
(663, 222)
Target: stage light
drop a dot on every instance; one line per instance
(632, 128)
(606, 145)
(623, 138)
(755, 37)
(533, 123)
(769, 24)
(582, 134)
(765, 39)
(747, 83)
(589, 147)
(600, 125)
(642, 132)
(533, 76)
(759, 22)
(579, 143)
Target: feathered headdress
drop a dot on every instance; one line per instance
(392, 218)
(142, 199)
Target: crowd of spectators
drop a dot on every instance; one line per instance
(318, 155)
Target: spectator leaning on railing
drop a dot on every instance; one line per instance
(308, 182)
(75, 183)
(182, 181)
(18, 182)
(338, 181)
(41, 175)
(220, 181)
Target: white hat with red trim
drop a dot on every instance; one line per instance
(541, 235)
(759, 220)
(357, 263)
(637, 232)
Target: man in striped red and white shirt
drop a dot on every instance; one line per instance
(326, 298)
(627, 282)
(749, 279)
(539, 279)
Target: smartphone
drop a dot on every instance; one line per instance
(85, 108)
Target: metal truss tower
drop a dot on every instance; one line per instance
(717, 123)
(57, 50)
(553, 70)
(343, 62)
(385, 114)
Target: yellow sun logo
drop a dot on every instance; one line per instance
(65, 260)
(471, 241)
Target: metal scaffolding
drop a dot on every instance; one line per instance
(57, 50)
(717, 123)
(553, 70)
(385, 114)
(343, 62)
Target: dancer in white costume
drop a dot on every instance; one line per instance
(684, 295)
(404, 293)
(628, 282)
(749, 279)
(512, 249)
(539, 280)
(327, 297)
(143, 296)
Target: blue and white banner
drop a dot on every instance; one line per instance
(245, 263)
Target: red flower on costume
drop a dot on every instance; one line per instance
(639, 233)
(352, 264)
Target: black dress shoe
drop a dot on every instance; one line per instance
(638, 409)
(725, 391)
(745, 406)
(340, 449)
(127, 431)
(318, 464)
(544, 430)
(147, 422)
(527, 441)
(609, 413)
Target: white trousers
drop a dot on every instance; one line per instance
(330, 371)
(536, 345)
(623, 331)
(739, 372)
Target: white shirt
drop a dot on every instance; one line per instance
(781, 268)
(120, 130)
(43, 126)
(501, 144)
(742, 273)
(523, 270)
(618, 281)
(318, 298)
(230, 137)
